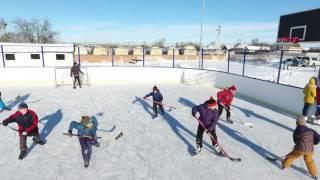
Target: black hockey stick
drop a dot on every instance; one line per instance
(89, 137)
(270, 158)
(11, 128)
(215, 141)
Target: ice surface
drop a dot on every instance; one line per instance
(150, 148)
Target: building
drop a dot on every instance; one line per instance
(36, 55)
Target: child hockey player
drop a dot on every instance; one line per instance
(209, 117)
(27, 121)
(87, 136)
(75, 72)
(225, 98)
(2, 105)
(157, 101)
(304, 139)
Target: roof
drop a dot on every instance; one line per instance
(36, 48)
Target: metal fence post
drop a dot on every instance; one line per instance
(173, 58)
(244, 61)
(79, 60)
(280, 64)
(112, 56)
(202, 58)
(143, 54)
(228, 59)
(42, 54)
(4, 63)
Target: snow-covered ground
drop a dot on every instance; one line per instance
(295, 76)
(150, 148)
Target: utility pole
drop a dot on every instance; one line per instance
(201, 33)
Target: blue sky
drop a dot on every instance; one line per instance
(150, 20)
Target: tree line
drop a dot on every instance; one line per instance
(27, 31)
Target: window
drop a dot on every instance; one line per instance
(298, 32)
(35, 56)
(60, 56)
(10, 57)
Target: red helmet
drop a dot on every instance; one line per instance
(233, 88)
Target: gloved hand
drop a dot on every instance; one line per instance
(69, 133)
(4, 123)
(24, 133)
(97, 144)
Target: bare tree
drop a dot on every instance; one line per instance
(3, 25)
(4, 36)
(35, 31)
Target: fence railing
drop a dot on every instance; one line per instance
(286, 67)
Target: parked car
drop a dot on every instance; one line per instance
(313, 61)
(296, 62)
(287, 61)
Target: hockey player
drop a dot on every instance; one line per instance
(3, 105)
(209, 117)
(75, 72)
(157, 101)
(225, 98)
(304, 139)
(27, 121)
(87, 136)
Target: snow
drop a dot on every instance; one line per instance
(150, 148)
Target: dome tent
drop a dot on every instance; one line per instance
(156, 51)
(100, 51)
(189, 51)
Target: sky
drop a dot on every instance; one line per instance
(104, 21)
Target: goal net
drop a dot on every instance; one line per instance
(63, 78)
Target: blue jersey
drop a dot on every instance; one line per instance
(82, 130)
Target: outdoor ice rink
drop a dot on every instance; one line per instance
(158, 148)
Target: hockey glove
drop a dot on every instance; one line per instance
(4, 123)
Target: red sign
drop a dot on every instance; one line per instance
(287, 39)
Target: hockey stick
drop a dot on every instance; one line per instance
(107, 130)
(89, 137)
(161, 103)
(275, 158)
(215, 141)
(11, 128)
(250, 125)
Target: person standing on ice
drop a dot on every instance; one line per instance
(316, 118)
(310, 94)
(27, 121)
(209, 117)
(2, 105)
(157, 101)
(75, 72)
(304, 139)
(225, 98)
(87, 136)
